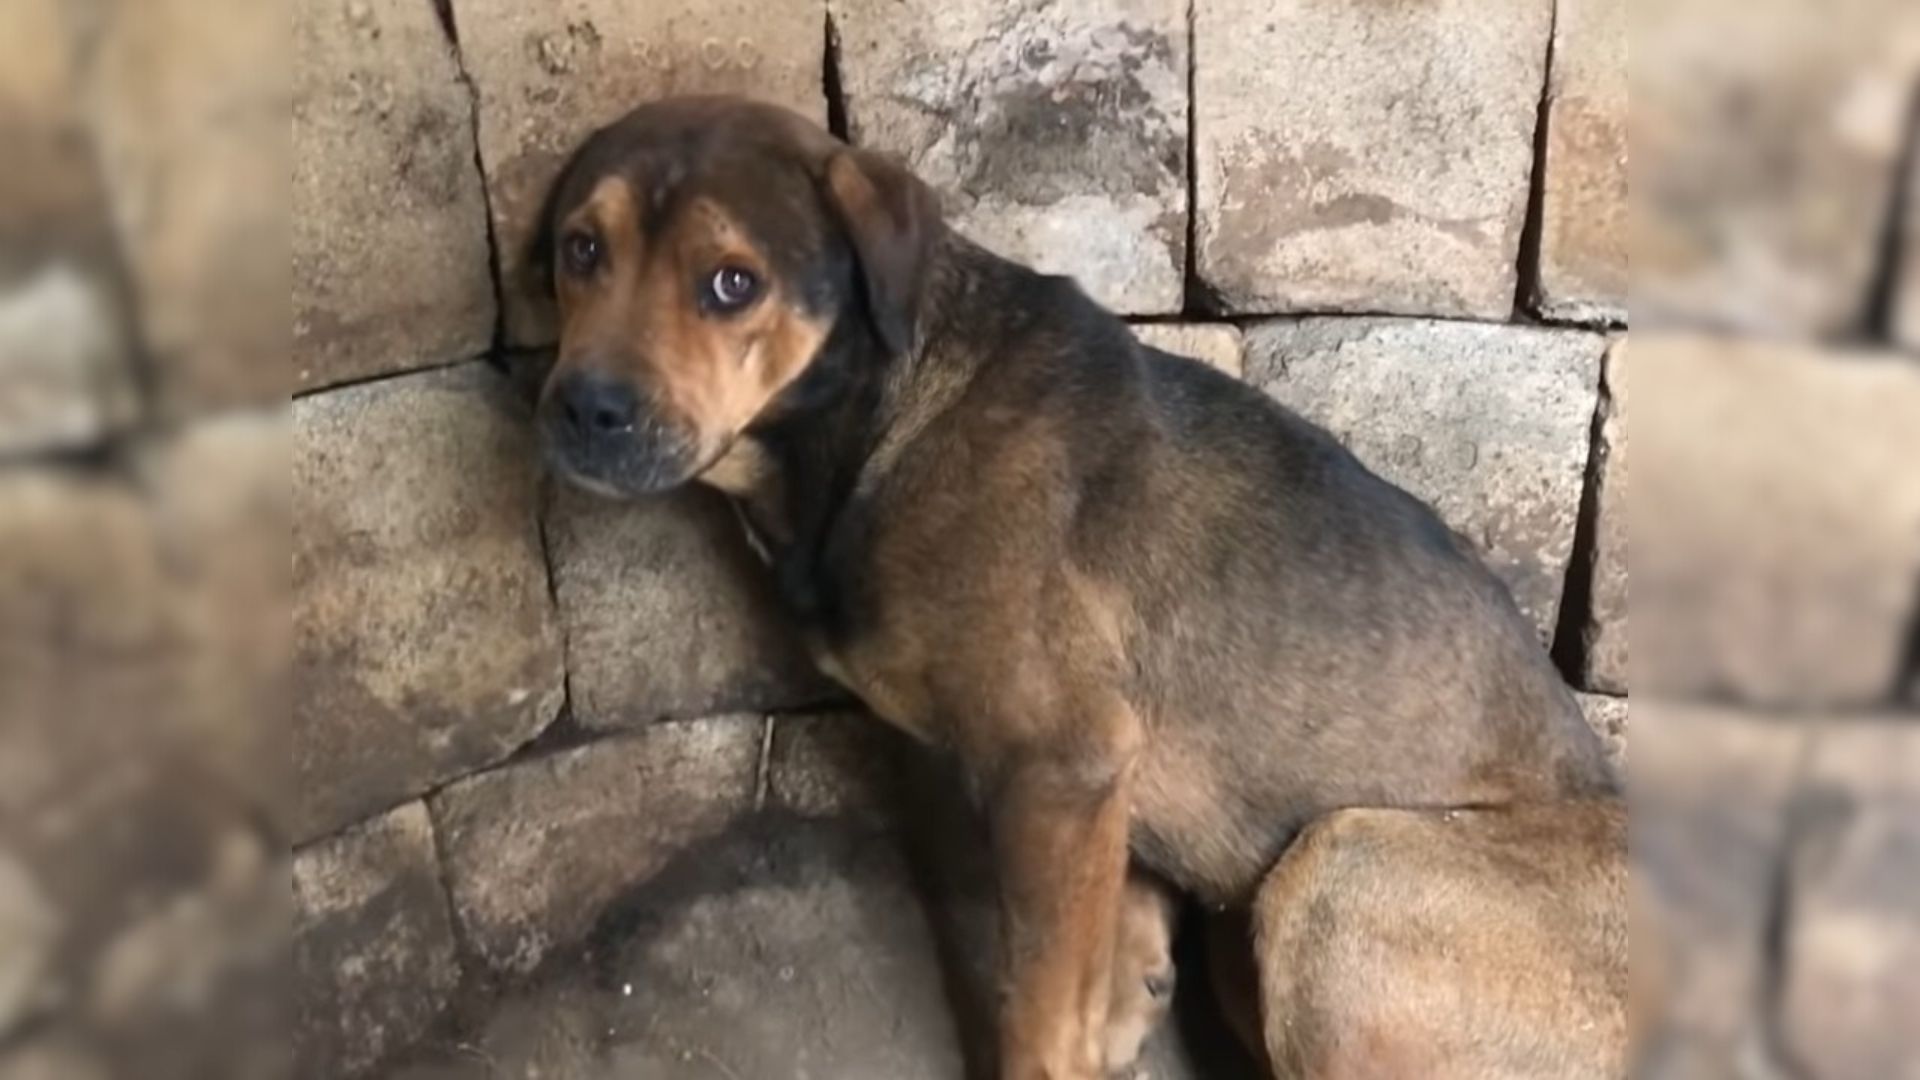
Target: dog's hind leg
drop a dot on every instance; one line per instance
(1448, 945)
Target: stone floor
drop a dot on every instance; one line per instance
(810, 948)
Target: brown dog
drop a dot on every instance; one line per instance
(1147, 607)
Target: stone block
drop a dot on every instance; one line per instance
(1905, 314)
(548, 75)
(1334, 172)
(1488, 424)
(424, 639)
(51, 182)
(86, 639)
(668, 613)
(30, 930)
(782, 947)
(1604, 640)
(222, 516)
(1607, 716)
(1852, 954)
(1582, 274)
(1216, 344)
(1765, 143)
(537, 850)
(1056, 132)
(1776, 520)
(389, 241)
(1710, 790)
(66, 373)
(188, 104)
(833, 764)
(113, 817)
(374, 958)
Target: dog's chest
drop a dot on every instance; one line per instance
(842, 638)
(886, 682)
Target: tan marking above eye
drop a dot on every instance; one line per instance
(612, 215)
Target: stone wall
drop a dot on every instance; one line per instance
(518, 712)
(517, 705)
(144, 440)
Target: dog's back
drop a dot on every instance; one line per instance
(1301, 635)
(1330, 642)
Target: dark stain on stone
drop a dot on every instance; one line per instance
(429, 164)
(1038, 142)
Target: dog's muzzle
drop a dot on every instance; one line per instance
(601, 433)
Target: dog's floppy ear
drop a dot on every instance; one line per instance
(892, 218)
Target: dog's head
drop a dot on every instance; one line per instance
(703, 254)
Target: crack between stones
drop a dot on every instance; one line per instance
(387, 376)
(451, 27)
(1526, 275)
(1770, 1008)
(561, 727)
(763, 769)
(830, 86)
(1906, 677)
(1877, 317)
(1199, 302)
(1576, 590)
(564, 728)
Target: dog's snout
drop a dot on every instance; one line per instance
(597, 405)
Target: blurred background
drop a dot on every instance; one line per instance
(492, 779)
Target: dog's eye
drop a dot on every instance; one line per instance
(731, 288)
(580, 252)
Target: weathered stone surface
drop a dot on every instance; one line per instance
(780, 947)
(1583, 209)
(549, 74)
(1607, 715)
(389, 226)
(84, 630)
(1765, 139)
(668, 614)
(537, 849)
(1605, 636)
(1852, 963)
(1489, 424)
(373, 954)
(29, 931)
(1217, 344)
(66, 379)
(1056, 132)
(425, 645)
(111, 812)
(1906, 300)
(733, 961)
(51, 182)
(222, 517)
(832, 764)
(1332, 174)
(1709, 789)
(189, 101)
(36, 80)
(1776, 520)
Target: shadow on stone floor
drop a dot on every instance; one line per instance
(811, 948)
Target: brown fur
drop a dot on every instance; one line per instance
(1449, 945)
(1143, 971)
(1148, 608)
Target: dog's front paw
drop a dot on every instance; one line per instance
(1143, 973)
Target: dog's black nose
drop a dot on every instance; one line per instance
(595, 405)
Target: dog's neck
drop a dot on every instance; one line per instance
(794, 476)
